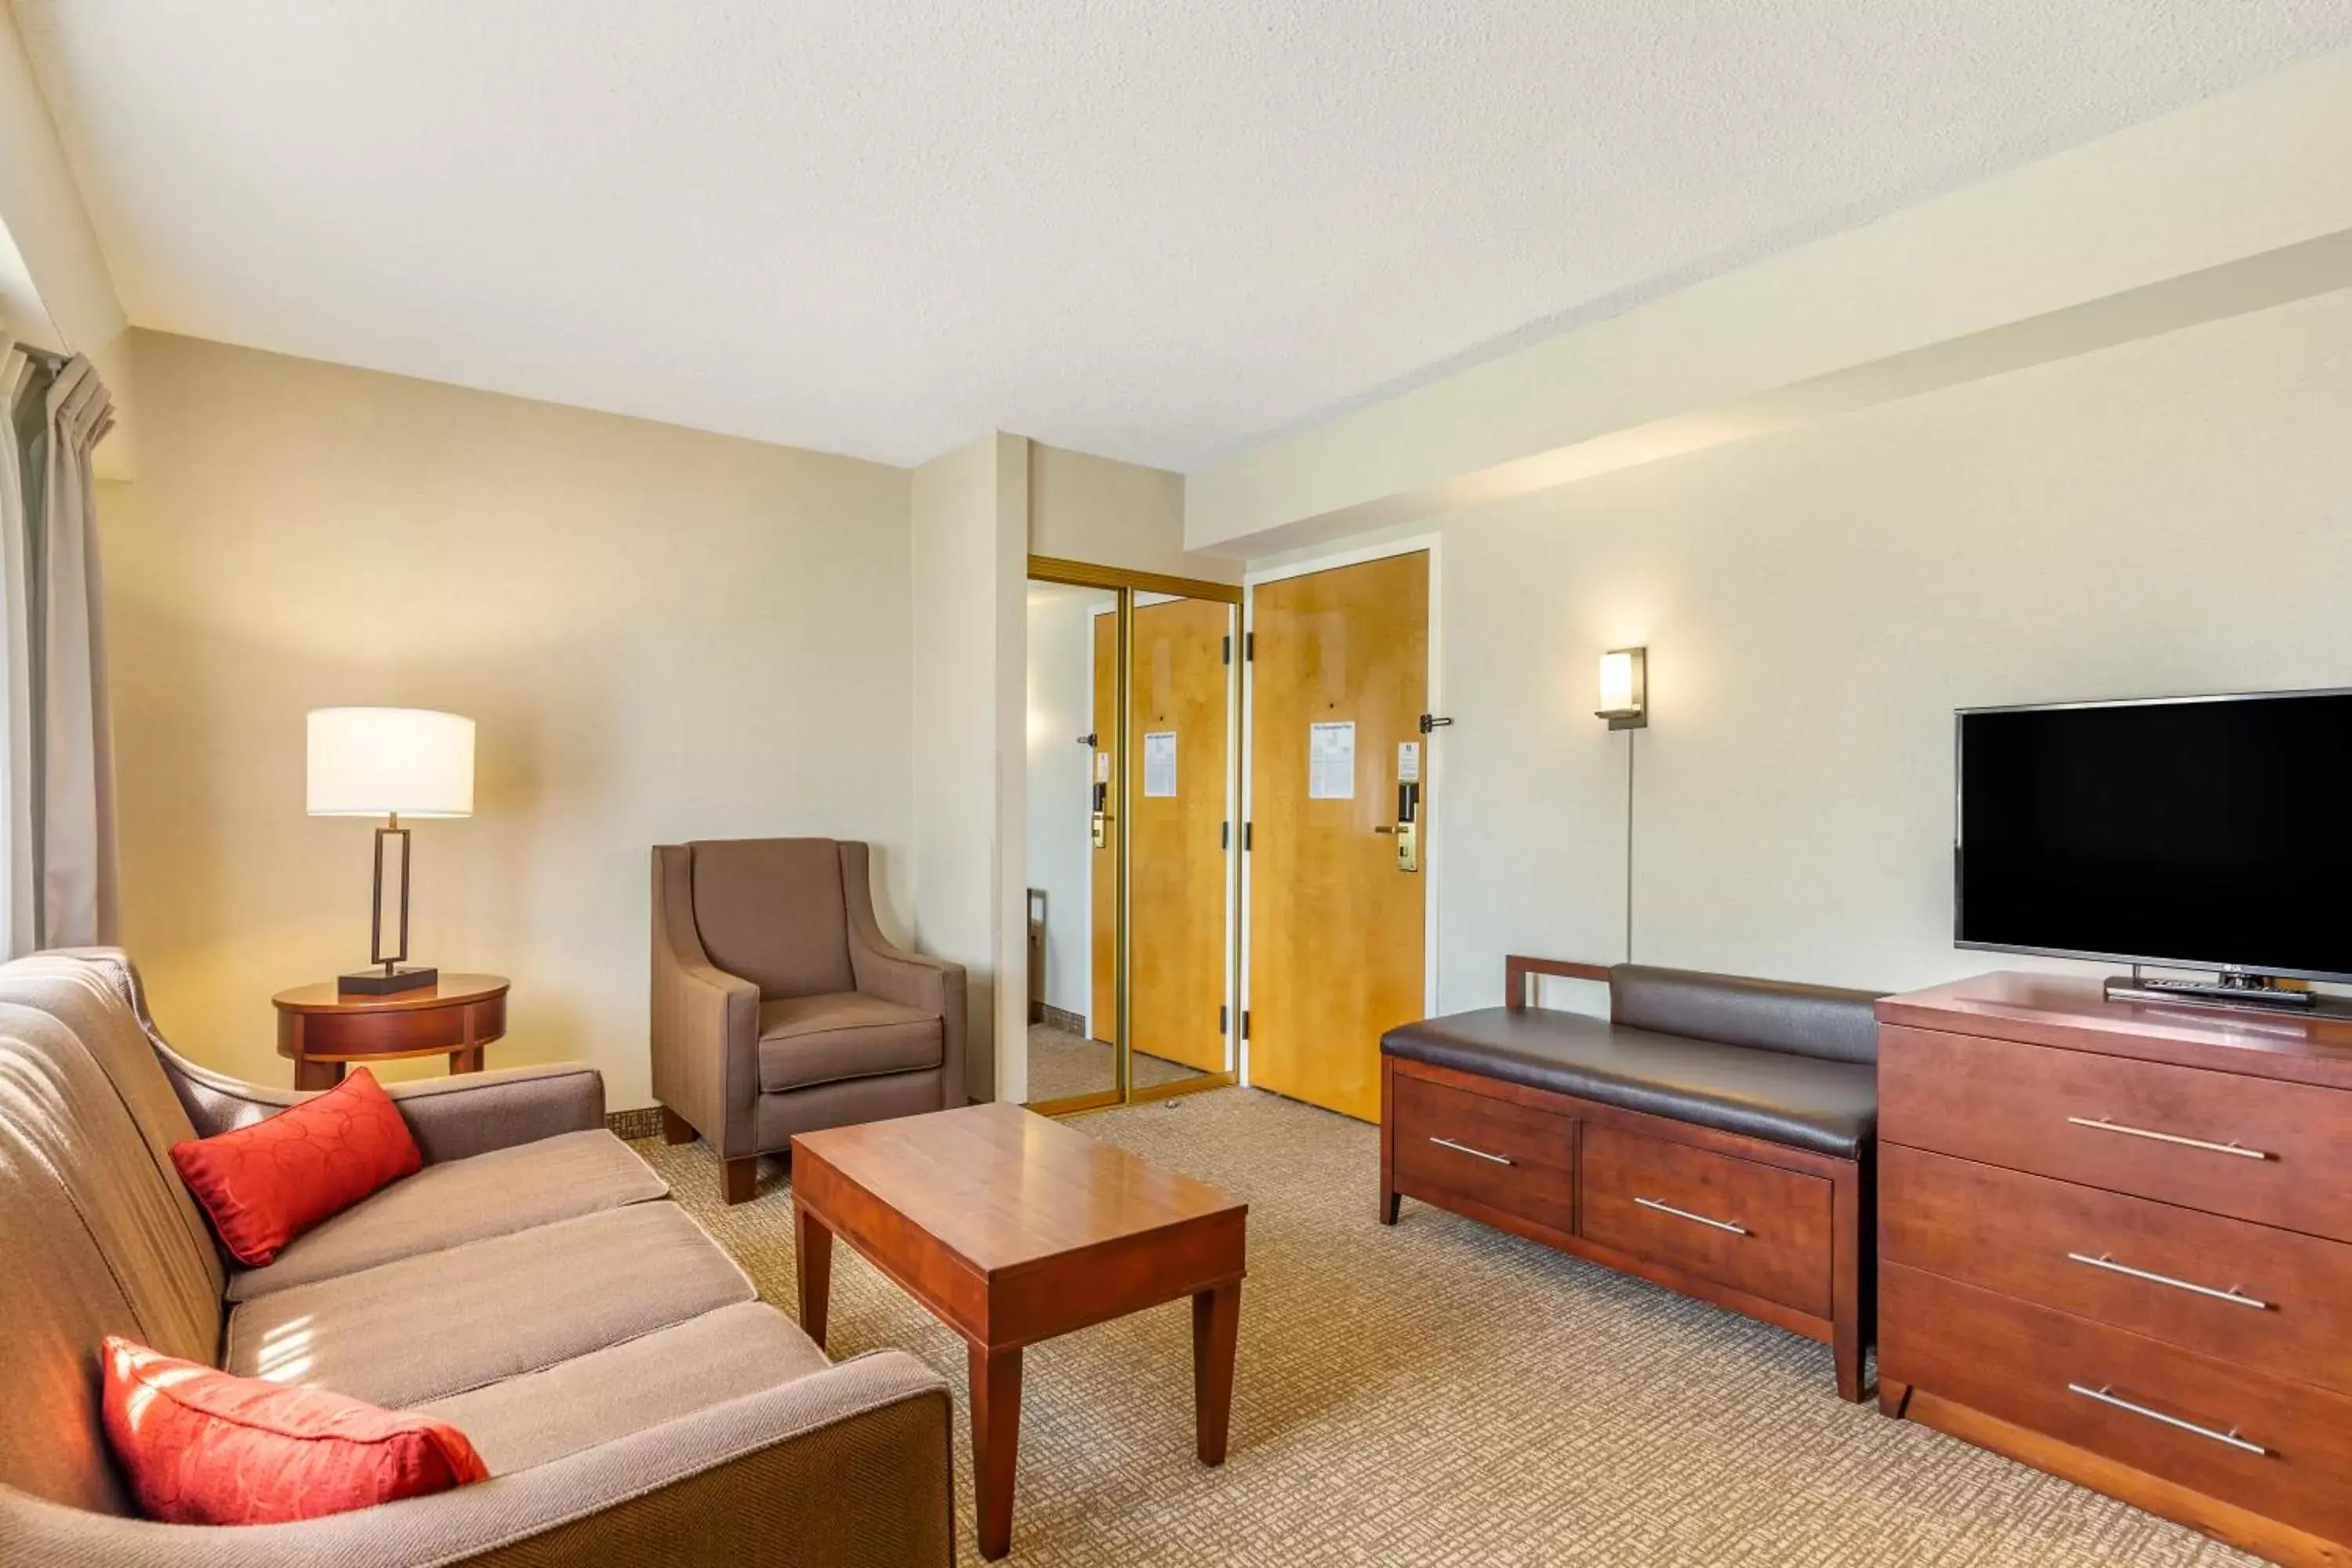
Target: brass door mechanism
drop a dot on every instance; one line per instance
(1101, 829)
(1408, 827)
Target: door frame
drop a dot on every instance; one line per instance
(1431, 772)
(1126, 584)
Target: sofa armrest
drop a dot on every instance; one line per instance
(454, 1117)
(844, 1468)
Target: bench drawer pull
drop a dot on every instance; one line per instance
(2101, 1124)
(2230, 1437)
(2233, 1295)
(1465, 1149)
(1694, 1218)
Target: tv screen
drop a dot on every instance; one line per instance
(2206, 833)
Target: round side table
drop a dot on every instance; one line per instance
(321, 1031)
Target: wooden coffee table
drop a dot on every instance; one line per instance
(1011, 1228)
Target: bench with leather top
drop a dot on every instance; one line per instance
(1714, 1135)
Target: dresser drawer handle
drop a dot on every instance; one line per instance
(2101, 1124)
(1465, 1149)
(1694, 1218)
(2104, 1396)
(2234, 1295)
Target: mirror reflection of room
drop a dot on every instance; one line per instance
(1179, 788)
(1072, 729)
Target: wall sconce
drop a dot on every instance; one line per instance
(1625, 688)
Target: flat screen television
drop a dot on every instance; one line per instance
(2199, 833)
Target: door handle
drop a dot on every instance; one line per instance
(1408, 827)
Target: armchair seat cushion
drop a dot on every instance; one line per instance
(442, 1322)
(809, 1040)
(609, 1394)
(444, 1205)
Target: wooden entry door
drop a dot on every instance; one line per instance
(1102, 1014)
(1177, 809)
(1337, 929)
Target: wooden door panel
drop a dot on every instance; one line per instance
(1176, 864)
(1336, 929)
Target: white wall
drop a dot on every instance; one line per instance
(2170, 516)
(1061, 654)
(969, 512)
(662, 635)
(1109, 513)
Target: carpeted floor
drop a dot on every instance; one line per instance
(1442, 1393)
(1063, 1064)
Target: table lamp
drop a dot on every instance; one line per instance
(390, 762)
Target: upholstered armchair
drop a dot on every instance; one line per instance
(778, 1005)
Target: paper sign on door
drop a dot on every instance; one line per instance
(1160, 762)
(1331, 762)
(1408, 761)
(1102, 767)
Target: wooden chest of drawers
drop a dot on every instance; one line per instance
(2115, 1242)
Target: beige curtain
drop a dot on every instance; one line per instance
(59, 775)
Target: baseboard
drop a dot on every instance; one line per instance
(643, 1122)
(1062, 1018)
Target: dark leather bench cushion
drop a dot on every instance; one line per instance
(1804, 1102)
(1770, 1014)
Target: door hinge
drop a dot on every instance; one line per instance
(1249, 645)
(1223, 1013)
(1248, 833)
(1229, 648)
(1430, 721)
(1224, 836)
(1244, 1023)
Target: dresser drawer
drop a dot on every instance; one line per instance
(2273, 1299)
(1754, 1227)
(2278, 1449)
(1453, 1144)
(2255, 1148)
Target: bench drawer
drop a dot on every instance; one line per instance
(2273, 1299)
(2254, 1148)
(1752, 1226)
(2279, 1449)
(1453, 1144)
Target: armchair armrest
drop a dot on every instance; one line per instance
(451, 1118)
(706, 1022)
(844, 1467)
(880, 969)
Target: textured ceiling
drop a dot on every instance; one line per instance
(1150, 230)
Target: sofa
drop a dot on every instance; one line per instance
(532, 1285)
(780, 1007)
(1715, 1134)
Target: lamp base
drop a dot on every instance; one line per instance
(387, 980)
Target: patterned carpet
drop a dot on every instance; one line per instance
(1444, 1395)
(1063, 1064)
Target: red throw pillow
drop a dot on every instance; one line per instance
(265, 1184)
(204, 1448)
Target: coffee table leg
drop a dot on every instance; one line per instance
(995, 1437)
(813, 1261)
(1216, 1330)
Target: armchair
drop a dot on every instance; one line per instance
(778, 1005)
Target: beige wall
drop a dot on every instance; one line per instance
(1099, 510)
(967, 513)
(662, 635)
(2171, 516)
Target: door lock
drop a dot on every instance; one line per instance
(1101, 815)
(1408, 827)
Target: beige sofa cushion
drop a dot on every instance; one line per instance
(594, 1398)
(428, 1327)
(441, 1206)
(809, 1040)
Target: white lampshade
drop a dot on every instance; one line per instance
(1624, 685)
(379, 762)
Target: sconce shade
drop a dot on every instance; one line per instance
(1624, 687)
(385, 762)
